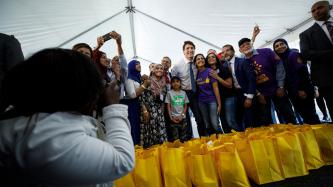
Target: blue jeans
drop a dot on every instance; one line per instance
(192, 97)
(210, 117)
(230, 104)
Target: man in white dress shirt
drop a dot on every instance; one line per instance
(186, 70)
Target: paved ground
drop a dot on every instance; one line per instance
(322, 177)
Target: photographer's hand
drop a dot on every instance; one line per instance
(112, 93)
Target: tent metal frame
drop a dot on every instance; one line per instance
(131, 10)
(91, 28)
(178, 29)
(288, 31)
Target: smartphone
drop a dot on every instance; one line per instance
(106, 37)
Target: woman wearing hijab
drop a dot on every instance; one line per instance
(134, 85)
(153, 130)
(298, 83)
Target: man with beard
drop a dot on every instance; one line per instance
(243, 90)
(269, 83)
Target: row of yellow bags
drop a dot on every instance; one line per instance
(265, 154)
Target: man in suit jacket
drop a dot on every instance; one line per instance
(244, 83)
(10, 55)
(316, 45)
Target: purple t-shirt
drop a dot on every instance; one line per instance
(264, 65)
(205, 86)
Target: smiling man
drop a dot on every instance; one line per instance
(186, 70)
(316, 45)
(270, 78)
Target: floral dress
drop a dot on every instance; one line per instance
(153, 132)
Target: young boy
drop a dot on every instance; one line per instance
(177, 100)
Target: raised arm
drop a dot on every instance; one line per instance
(122, 58)
(256, 31)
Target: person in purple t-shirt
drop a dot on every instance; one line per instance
(269, 83)
(297, 82)
(224, 79)
(208, 96)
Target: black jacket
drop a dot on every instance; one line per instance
(317, 48)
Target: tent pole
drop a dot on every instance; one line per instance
(182, 31)
(130, 9)
(146, 60)
(91, 28)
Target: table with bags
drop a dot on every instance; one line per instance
(259, 156)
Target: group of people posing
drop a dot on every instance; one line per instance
(64, 119)
(223, 91)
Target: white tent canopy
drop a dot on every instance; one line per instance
(152, 29)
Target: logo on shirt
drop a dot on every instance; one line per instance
(178, 100)
(261, 77)
(201, 81)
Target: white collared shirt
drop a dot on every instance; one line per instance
(324, 27)
(232, 65)
(182, 70)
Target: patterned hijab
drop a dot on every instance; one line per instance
(157, 85)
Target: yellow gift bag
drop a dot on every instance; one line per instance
(310, 147)
(202, 169)
(174, 170)
(290, 154)
(126, 181)
(259, 159)
(324, 136)
(147, 171)
(230, 167)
